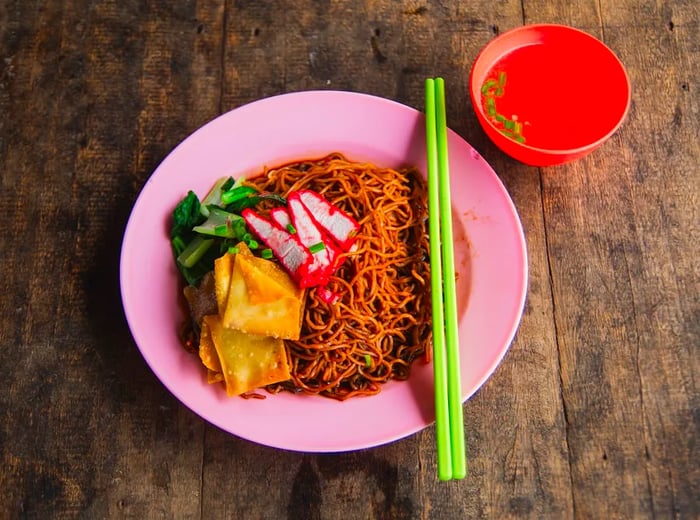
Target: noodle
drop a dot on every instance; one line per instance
(382, 321)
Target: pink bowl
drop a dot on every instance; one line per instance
(490, 257)
(548, 94)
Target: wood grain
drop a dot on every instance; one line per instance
(592, 414)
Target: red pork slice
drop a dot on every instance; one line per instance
(327, 296)
(281, 217)
(285, 246)
(340, 226)
(323, 250)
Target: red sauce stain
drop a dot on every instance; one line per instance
(470, 215)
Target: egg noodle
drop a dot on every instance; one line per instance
(381, 321)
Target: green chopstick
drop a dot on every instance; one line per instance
(442, 427)
(449, 420)
(454, 374)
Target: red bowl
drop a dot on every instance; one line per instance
(548, 94)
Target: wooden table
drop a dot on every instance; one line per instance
(594, 412)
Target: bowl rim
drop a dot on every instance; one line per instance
(475, 91)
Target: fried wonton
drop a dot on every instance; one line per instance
(261, 297)
(247, 361)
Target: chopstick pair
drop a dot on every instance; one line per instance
(449, 422)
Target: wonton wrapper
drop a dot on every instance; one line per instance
(208, 354)
(263, 300)
(214, 377)
(223, 267)
(267, 281)
(247, 361)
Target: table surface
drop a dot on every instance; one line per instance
(593, 413)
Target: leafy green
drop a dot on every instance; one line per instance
(241, 197)
(203, 231)
(214, 196)
(222, 224)
(194, 274)
(271, 196)
(179, 245)
(194, 251)
(186, 215)
(236, 194)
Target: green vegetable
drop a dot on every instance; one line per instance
(203, 231)
(271, 197)
(188, 249)
(194, 251)
(239, 198)
(368, 360)
(502, 79)
(291, 229)
(316, 248)
(186, 215)
(213, 198)
(236, 194)
(178, 245)
(203, 265)
(222, 224)
(488, 84)
(238, 182)
(511, 128)
(266, 254)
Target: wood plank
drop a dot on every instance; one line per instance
(85, 69)
(366, 484)
(582, 14)
(615, 275)
(173, 75)
(39, 341)
(664, 276)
